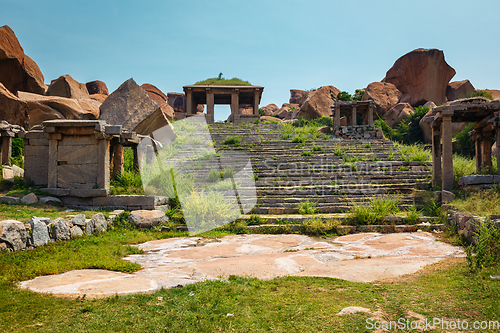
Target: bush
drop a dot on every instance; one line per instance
(316, 227)
(379, 208)
(232, 140)
(479, 93)
(414, 153)
(407, 132)
(307, 208)
(486, 248)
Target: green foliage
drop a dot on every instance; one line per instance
(345, 96)
(224, 82)
(463, 166)
(412, 215)
(17, 152)
(407, 132)
(465, 145)
(358, 95)
(262, 112)
(301, 138)
(479, 93)
(338, 152)
(232, 140)
(379, 208)
(317, 227)
(128, 182)
(479, 203)
(255, 220)
(414, 153)
(306, 153)
(307, 208)
(486, 248)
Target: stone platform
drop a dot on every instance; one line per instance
(179, 261)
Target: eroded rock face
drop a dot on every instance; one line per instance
(97, 87)
(398, 113)
(459, 89)
(14, 234)
(12, 109)
(297, 96)
(319, 102)
(66, 86)
(17, 70)
(421, 75)
(147, 218)
(128, 106)
(385, 95)
(41, 108)
(159, 98)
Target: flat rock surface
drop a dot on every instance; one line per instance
(178, 261)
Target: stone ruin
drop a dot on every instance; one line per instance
(358, 122)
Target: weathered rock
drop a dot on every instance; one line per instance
(39, 232)
(61, 230)
(14, 234)
(398, 113)
(17, 70)
(13, 109)
(447, 196)
(99, 97)
(76, 231)
(147, 218)
(79, 220)
(319, 102)
(53, 107)
(270, 109)
(99, 222)
(494, 93)
(352, 310)
(297, 96)
(3, 247)
(430, 105)
(88, 229)
(459, 89)
(29, 199)
(422, 75)
(129, 105)
(159, 98)
(66, 86)
(9, 172)
(177, 101)
(9, 200)
(384, 95)
(52, 201)
(324, 129)
(270, 118)
(286, 111)
(97, 87)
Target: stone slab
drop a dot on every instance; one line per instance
(170, 262)
(83, 154)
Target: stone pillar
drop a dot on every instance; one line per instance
(103, 164)
(354, 117)
(6, 150)
(235, 105)
(370, 115)
(117, 159)
(337, 116)
(436, 153)
(189, 103)
(52, 167)
(136, 158)
(256, 98)
(486, 150)
(477, 138)
(447, 154)
(210, 106)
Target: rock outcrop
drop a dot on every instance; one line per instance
(42, 108)
(297, 96)
(459, 89)
(398, 113)
(270, 109)
(177, 101)
(66, 86)
(12, 109)
(97, 87)
(319, 102)
(17, 70)
(384, 95)
(159, 98)
(421, 75)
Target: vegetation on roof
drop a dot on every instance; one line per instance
(220, 81)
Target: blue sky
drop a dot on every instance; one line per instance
(280, 45)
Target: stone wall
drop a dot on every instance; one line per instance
(468, 225)
(481, 182)
(36, 157)
(359, 132)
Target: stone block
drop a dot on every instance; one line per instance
(76, 202)
(37, 151)
(29, 199)
(52, 201)
(81, 174)
(39, 232)
(147, 218)
(88, 229)
(9, 200)
(79, 220)
(14, 234)
(74, 140)
(86, 154)
(60, 230)
(99, 222)
(38, 142)
(475, 180)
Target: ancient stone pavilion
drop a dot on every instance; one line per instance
(479, 110)
(356, 113)
(228, 95)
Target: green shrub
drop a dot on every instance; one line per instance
(301, 138)
(412, 215)
(307, 208)
(306, 153)
(414, 153)
(379, 208)
(232, 140)
(316, 227)
(255, 220)
(479, 93)
(362, 214)
(338, 152)
(486, 248)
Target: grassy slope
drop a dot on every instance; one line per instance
(224, 82)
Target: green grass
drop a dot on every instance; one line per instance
(377, 209)
(232, 140)
(307, 208)
(224, 82)
(480, 203)
(412, 153)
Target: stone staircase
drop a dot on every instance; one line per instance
(332, 172)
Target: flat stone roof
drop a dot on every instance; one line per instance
(466, 110)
